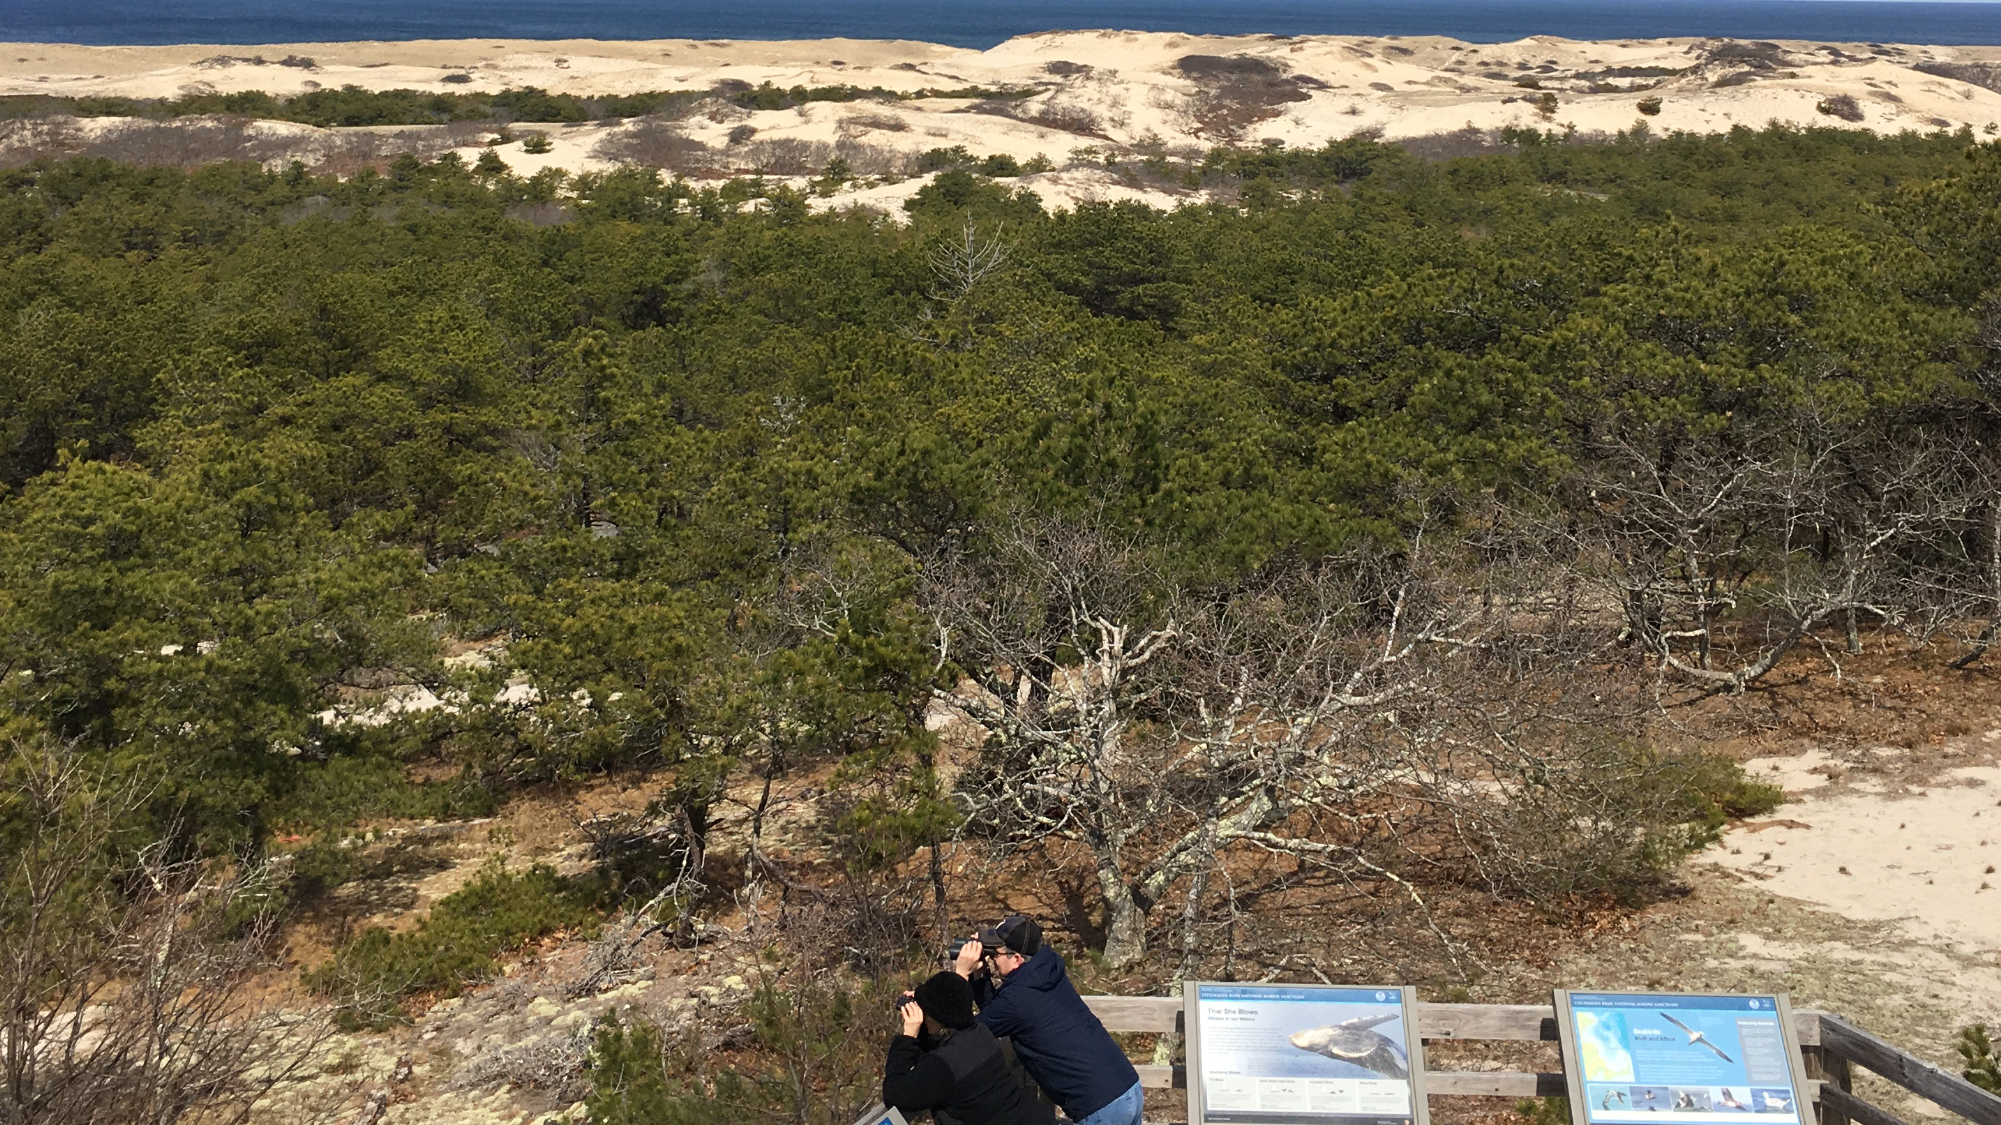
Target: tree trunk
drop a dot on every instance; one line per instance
(941, 917)
(1125, 922)
(1987, 635)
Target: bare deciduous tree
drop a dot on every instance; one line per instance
(1157, 726)
(125, 974)
(961, 264)
(1723, 557)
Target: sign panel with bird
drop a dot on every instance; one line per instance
(1635, 1058)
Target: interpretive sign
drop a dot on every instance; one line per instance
(1291, 1054)
(881, 1116)
(1672, 1059)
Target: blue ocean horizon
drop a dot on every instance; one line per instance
(984, 23)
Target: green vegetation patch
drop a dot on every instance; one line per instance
(1977, 1049)
(766, 96)
(457, 944)
(352, 106)
(1720, 786)
(270, 442)
(640, 1075)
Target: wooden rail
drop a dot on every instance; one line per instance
(1829, 1042)
(1842, 1040)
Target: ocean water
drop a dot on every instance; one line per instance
(982, 23)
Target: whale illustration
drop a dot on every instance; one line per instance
(1352, 1041)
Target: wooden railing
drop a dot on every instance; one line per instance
(1830, 1044)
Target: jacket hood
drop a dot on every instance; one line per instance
(1039, 973)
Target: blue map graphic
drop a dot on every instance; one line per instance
(1682, 1060)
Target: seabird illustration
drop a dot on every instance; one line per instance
(1729, 1100)
(1353, 1042)
(1610, 1096)
(1695, 1037)
(1779, 1103)
(1684, 1101)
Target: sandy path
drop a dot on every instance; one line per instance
(1862, 895)
(1923, 859)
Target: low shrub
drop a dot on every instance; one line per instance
(454, 946)
(787, 156)
(637, 1078)
(352, 106)
(1469, 141)
(871, 160)
(1544, 1111)
(815, 1054)
(1843, 106)
(1650, 106)
(931, 160)
(659, 144)
(1063, 118)
(1725, 788)
(766, 97)
(1605, 815)
(881, 122)
(361, 780)
(31, 139)
(1067, 119)
(1977, 1049)
(1985, 75)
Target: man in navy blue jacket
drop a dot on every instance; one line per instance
(1025, 994)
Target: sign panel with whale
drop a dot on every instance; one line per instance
(1293, 1054)
(1641, 1058)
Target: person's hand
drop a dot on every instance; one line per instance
(969, 957)
(911, 1015)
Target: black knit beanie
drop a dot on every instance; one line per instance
(947, 998)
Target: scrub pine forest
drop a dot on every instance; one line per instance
(1375, 574)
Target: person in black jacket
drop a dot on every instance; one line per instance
(944, 1061)
(1025, 994)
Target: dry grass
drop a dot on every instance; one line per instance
(663, 145)
(1843, 106)
(1987, 76)
(881, 122)
(188, 143)
(27, 140)
(1062, 118)
(1237, 92)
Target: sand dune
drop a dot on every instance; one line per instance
(1923, 859)
(1105, 90)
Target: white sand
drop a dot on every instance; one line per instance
(1926, 860)
(1124, 87)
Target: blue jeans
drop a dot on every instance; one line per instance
(1122, 1110)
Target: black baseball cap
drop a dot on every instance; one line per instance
(1017, 932)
